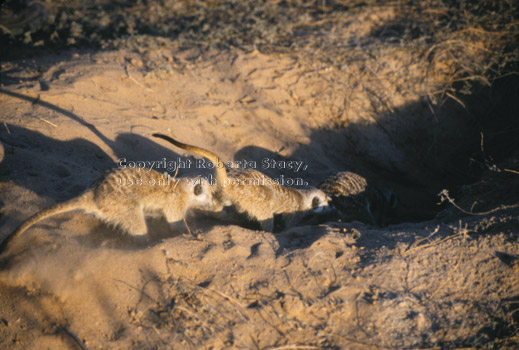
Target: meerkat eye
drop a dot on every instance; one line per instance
(198, 189)
(315, 202)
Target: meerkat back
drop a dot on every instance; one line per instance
(250, 191)
(262, 198)
(356, 199)
(125, 196)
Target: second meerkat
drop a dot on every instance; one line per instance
(357, 199)
(125, 196)
(257, 195)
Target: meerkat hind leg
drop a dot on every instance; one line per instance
(174, 217)
(131, 221)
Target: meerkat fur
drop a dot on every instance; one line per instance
(125, 196)
(257, 195)
(356, 199)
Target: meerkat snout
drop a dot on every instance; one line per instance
(316, 200)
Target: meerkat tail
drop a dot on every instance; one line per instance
(73, 204)
(221, 172)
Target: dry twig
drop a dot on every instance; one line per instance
(417, 246)
(444, 195)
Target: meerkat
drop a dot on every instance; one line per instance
(257, 195)
(125, 196)
(355, 199)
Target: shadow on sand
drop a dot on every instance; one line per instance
(414, 151)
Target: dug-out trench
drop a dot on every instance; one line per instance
(420, 150)
(465, 142)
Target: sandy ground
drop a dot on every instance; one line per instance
(442, 282)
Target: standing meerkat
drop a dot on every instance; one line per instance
(355, 199)
(126, 195)
(257, 195)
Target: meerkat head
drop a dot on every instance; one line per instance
(200, 194)
(316, 200)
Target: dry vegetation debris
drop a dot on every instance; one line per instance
(395, 64)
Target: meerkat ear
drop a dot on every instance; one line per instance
(315, 202)
(198, 189)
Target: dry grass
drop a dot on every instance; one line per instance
(390, 55)
(455, 46)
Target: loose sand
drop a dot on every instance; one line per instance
(427, 280)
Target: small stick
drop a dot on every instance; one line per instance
(410, 250)
(416, 244)
(236, 303)
(445, 196)
(74, 337)
(187, 226)
(134, 80)
(176, 173)
(7, 128)
(463, 232)
(137, 289)
(46, 121)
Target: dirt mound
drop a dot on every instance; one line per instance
(401, 94)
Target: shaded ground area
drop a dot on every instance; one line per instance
(419, 99)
